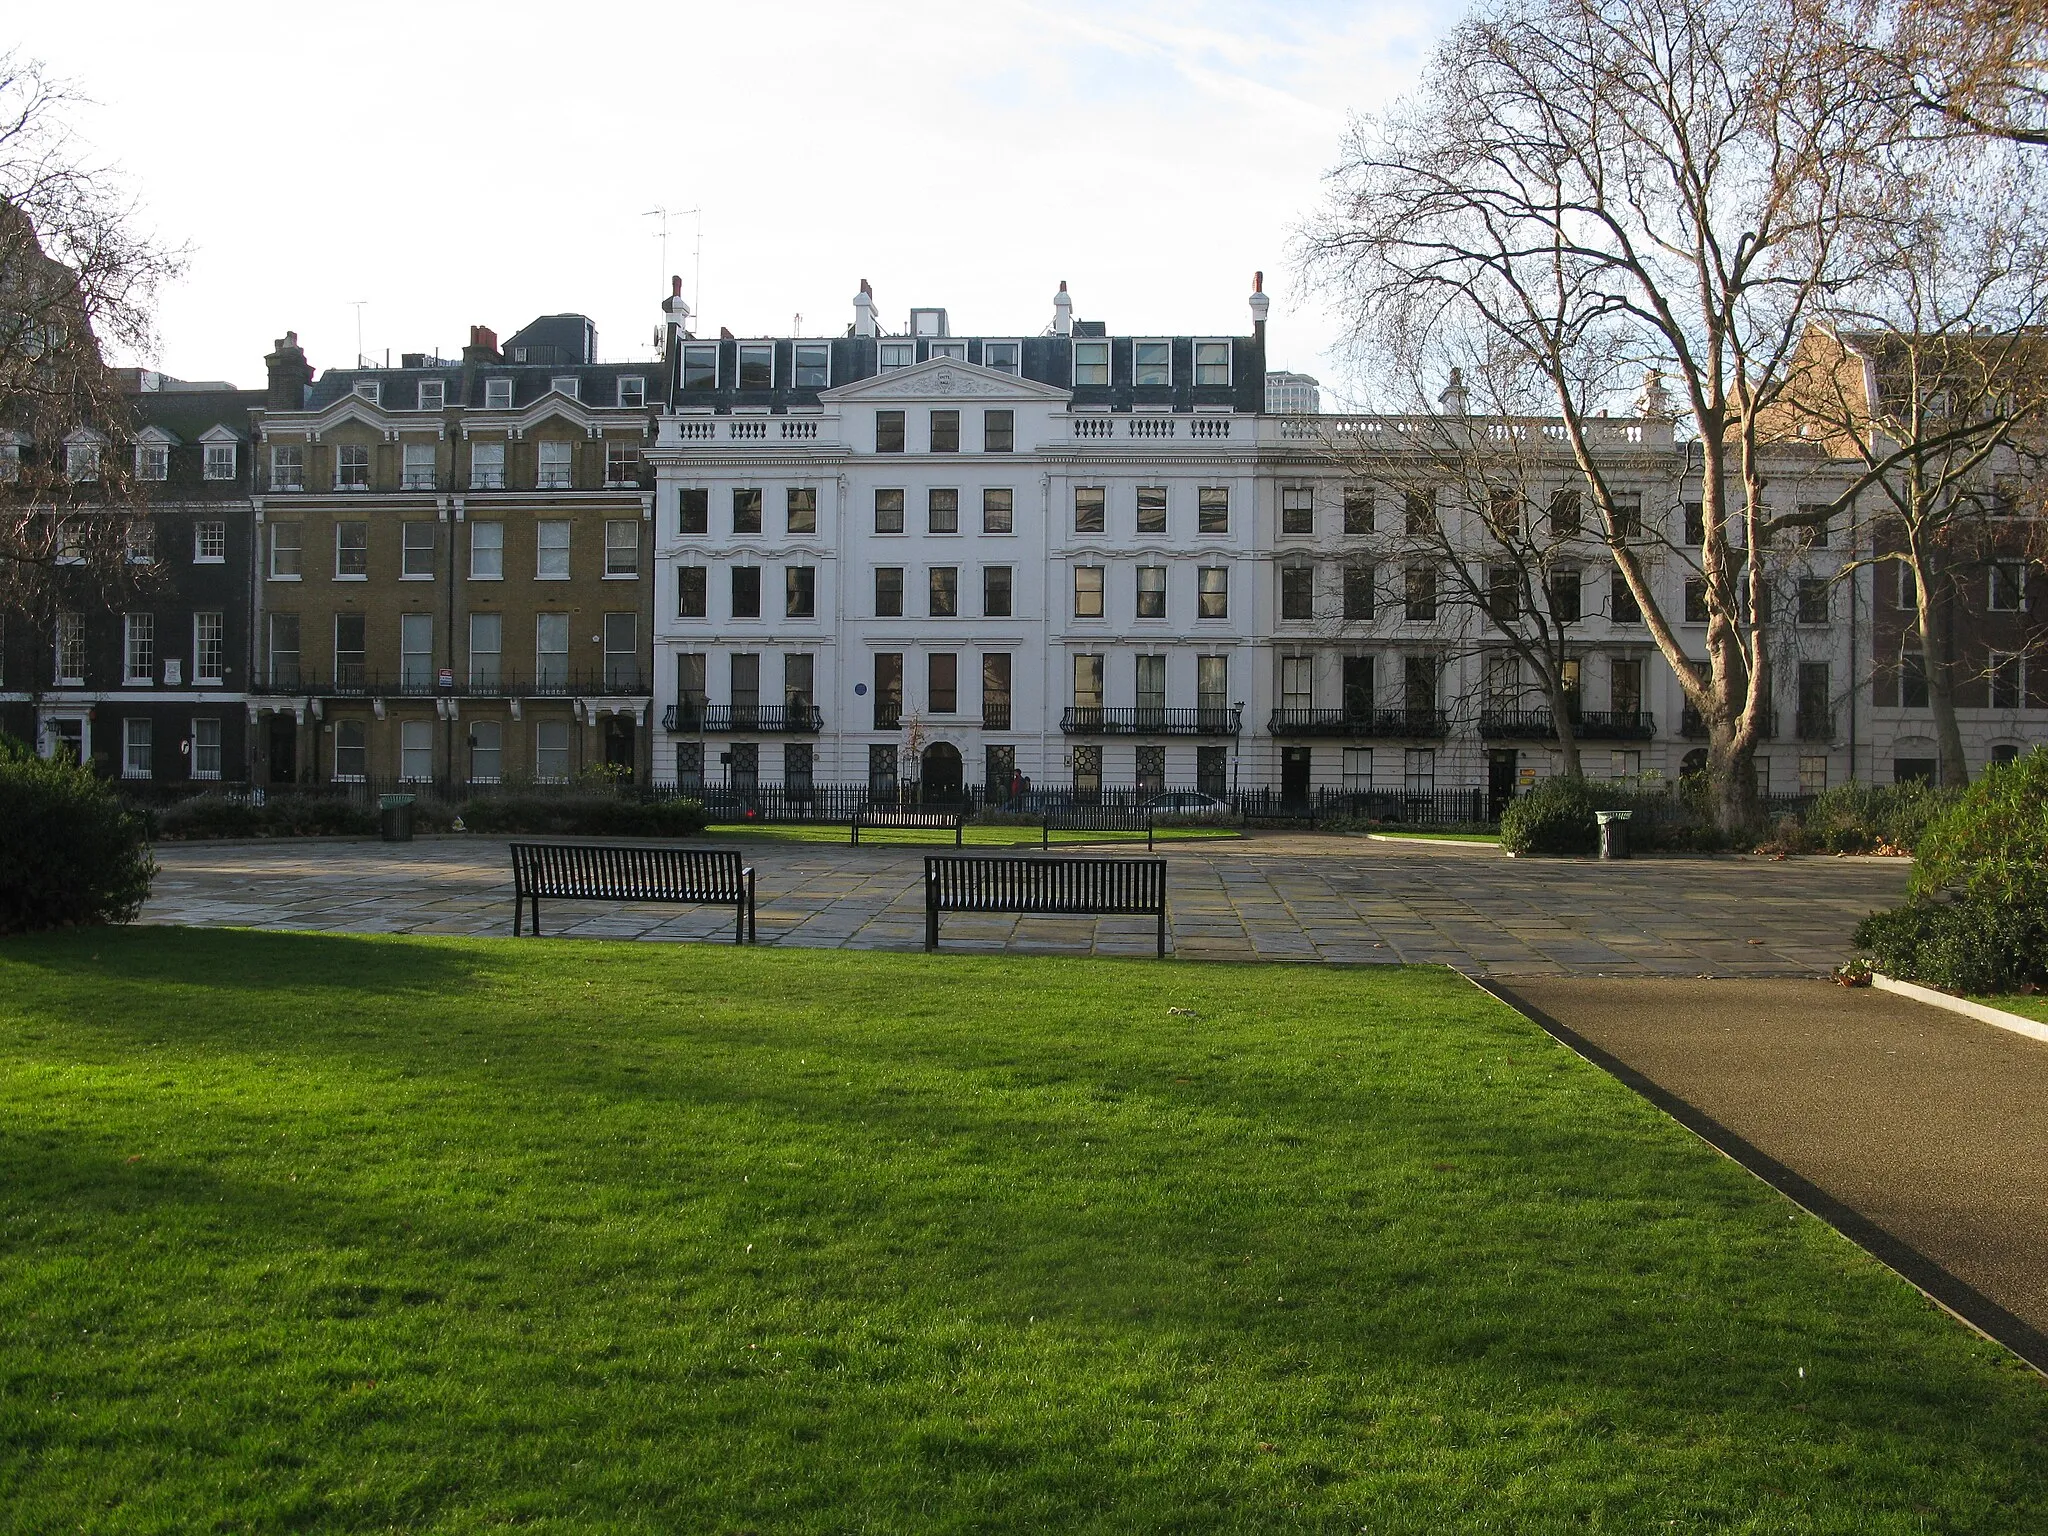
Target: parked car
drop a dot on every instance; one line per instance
(1185, 802)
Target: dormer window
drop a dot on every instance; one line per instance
(433, 394)
(82, 460)
(1091, 362)
(632, 393)
(220, 461)
(1212, 363)
(497, 394)
(1152, 362)
(10, 462)
(813, 365)
(152, 461)
(700, 366)
(957, 350)
(1000, 355)
(757, 367)
(897, 354)
(564, 384)
(371, 390)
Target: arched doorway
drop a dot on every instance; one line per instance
(941, 772)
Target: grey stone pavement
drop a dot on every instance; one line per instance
(1268, 897)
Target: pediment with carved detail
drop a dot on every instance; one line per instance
(942, 379)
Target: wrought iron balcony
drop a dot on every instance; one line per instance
(995, 714)
(729, 719)
(1152, 722)
(1816, 724)
(1354, 724)
(1587, 724)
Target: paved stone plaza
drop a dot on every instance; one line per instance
(1275, 897)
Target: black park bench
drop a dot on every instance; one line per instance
(1096, 818)
(895, 820)
(1089, 887)
(606, 872)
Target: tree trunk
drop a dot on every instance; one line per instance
(1567, 734)
(1731, 773)
(1952, 771)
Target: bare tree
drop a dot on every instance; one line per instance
(1604, 187)
(1932, 377)
(1967, 68)
(76, 272)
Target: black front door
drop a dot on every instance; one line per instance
(1502, 767)
(1294, 769)
(618, 743)
(284, 749)
(943, 776)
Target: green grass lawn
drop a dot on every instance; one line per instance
(314, 1233)
(2027, 1006)
(995, 836)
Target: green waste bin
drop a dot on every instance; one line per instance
(395, 814)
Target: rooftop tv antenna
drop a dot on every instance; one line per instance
(696, 253)
(361, 361)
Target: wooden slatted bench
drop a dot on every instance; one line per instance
(1096, 818)
(894, 820)
(1088, 887)
(607, 872)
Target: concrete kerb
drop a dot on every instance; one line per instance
(1983, 1013)
(1962, 1301)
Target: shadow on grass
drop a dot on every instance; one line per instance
(241, 960)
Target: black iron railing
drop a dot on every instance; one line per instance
(1587, 724)
(726, 719)
(1354, 724)
(1152, 722)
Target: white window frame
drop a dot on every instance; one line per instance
(953, 349)
(371, 390)
(1229, 360)
(699, 348)
(153, 462)
(82, 456)
(139, 543)
(138, 747)
(209, 643)
(1357, 770)
(487, 476)
(297, 550)
(1074, 361)
(410, 770)
(339, 526)
(341, 484)
(555, 464)
(543, 771)
(200, 768)
(633, 524)
(895, 353)
(209, 531)
(2015, 586)
(498, 394)
(1100, 591)
(1998, 662)
(69, 647)
(621, 452)
(637, 392)
(1014, 369)
(494, 545)
(298, 479)
(796, 363)
(420, 679)
(565, 384)
(211, 460)
(410, 476)
(543, 530)
(407, 548)
(476, 748)
(439, 400)
(359, 730)
(740, 364)
(1151, 341)
(138, 642)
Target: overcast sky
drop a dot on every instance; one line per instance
(456, 164)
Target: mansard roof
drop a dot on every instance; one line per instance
(941, 380)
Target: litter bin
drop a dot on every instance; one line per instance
(1613, 833)
(395, 814)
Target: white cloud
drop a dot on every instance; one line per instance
(458, 164)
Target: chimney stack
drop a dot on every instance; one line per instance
(483, 345)
(290, 374)
(1260, 304)
(1062, 312)
(675, 313)
(864, 310)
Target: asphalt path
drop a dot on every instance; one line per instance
(1918, 1133)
